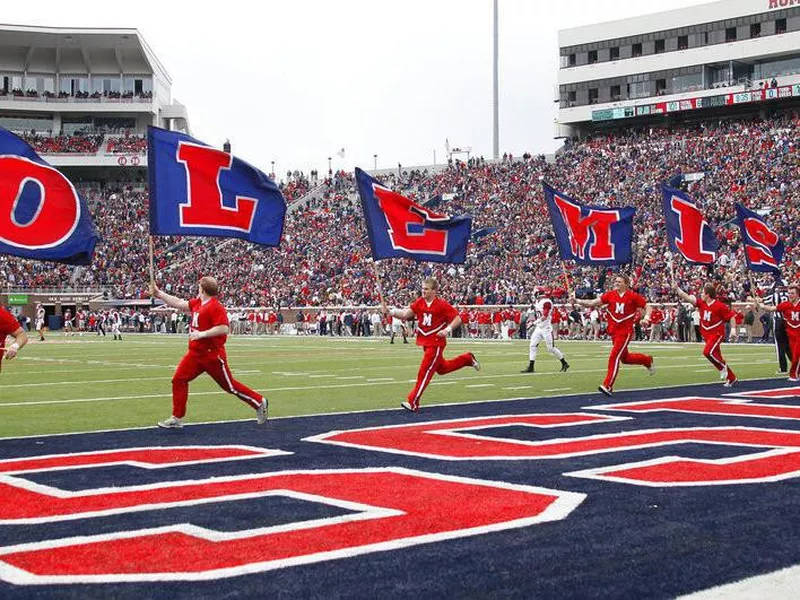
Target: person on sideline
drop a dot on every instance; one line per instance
(540, 321)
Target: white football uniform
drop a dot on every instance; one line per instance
(543, 329)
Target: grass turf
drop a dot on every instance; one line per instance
(70, 384)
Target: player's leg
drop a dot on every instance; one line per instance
(551, 348)
(219, 370)
(794, 346)
(536, 338)
(619, 346)
(467, 359)
(187, 370)
(430, 357)
(712, 352)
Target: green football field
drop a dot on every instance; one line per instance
(88, 383)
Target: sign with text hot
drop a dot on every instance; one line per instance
(590, 235)
(401, 228)
(42, 216)
(199, 190)
(689, 233)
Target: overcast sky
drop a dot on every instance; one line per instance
(297, 80)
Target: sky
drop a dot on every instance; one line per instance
(297, 81)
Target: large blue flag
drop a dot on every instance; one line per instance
(42, 216)
(199, 190)
(763, 247)
(688, 231)
(400, 228)
(590, 235)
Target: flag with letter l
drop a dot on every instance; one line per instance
(400, 228)
(688, 231)
(199, 190)
(590, 235)
(763, 247)
(42, 216)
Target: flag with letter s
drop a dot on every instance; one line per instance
(42, 215)
(400, 228)
(196, 189)
(763, 247)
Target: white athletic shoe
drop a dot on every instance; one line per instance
(652, 368)
(475, 364)
(408, 407)
(730, 383)
(793, 379)
(724, 373)
(171, 423)
(262, 412)
(605, 391)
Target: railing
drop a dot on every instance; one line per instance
(70, 99)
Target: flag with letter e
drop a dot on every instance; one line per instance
(199, 190)
(688, 232)
(400, 228)
(590, 235)
(42, 216)
(763, 247)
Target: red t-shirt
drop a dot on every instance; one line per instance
(8, 325)
(791, 316)
(432, 318)
(204, 317)
(713, 317)
(621, 310)
(656, 316)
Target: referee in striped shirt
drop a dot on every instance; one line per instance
(780, 294)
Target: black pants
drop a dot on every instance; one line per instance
(782, 345)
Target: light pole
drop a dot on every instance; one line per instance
(375, 158)
(273, 169)
(330, 171)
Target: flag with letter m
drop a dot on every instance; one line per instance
(199, 190)
(42, 216)
(688, 231)
(401, 228)
(590, 235)
(763, 247)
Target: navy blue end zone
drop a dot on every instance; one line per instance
(621, 540)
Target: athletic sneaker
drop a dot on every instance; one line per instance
(793, 379)
(475, 364)
(724, 373)
(779, 372)
(564, 366)
(171, 423)
(652, 368)
(730, 383)
(262, 412)
(407, 406)
(604, 390)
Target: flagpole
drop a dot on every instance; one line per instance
(152, 262)
(566, 278)
(378, 285)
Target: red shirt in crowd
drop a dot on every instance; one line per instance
(206, 315)
(791, 316)
(657, 316)
(621, 310)
(432, 318)
(713, 317)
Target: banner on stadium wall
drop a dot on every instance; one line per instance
(17, 299)
(199, 190)
(42, 216)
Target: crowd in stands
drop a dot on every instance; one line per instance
(323, 259)
(65, 144)
(19, 93)
(127, 144)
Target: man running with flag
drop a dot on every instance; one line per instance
(713, 315)
(623, 306)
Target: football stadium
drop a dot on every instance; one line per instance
(202, 355)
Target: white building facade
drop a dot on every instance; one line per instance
(710, 56)
(85, 81)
